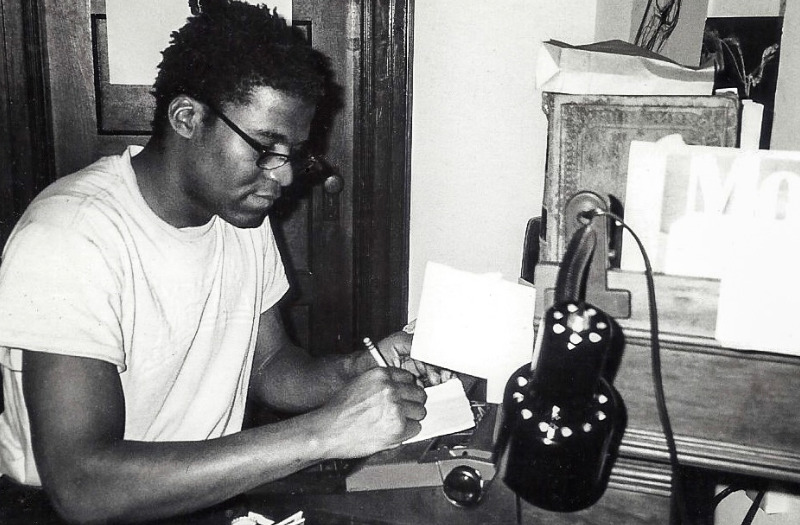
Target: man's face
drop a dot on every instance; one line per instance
(224, 179)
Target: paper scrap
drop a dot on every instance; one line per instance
(478, 324)
(736, 505)
(752, 119)
(139, 31)
(615, 67)
(448, 411)
(759, 287)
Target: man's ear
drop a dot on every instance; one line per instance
(185, 114)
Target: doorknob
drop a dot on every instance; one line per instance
(331, 188)
(333, 185)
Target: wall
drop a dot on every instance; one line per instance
(787, 108)
(478, 132)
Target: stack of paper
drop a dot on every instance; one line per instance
(616, 67)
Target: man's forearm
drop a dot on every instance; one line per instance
(294, 381)
(132, 481)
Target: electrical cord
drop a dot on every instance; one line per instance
(724, 493)
(663, 414)
(655, 359)
(751, 512)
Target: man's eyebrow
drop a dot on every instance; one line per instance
(272, 136)
(266, 136)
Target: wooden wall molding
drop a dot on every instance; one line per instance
(27, 166)
(382, 170)
(714, 454)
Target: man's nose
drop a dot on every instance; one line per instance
(283, 175)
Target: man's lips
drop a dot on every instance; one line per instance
(261, 200)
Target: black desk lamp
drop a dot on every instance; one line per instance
(562, 419)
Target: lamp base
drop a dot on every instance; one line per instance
(556, 455)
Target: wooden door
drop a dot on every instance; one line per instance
(92, 117)
(348, 254)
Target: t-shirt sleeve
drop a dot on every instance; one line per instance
(58, 294)
(275, 282)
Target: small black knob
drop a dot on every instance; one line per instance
(463, 486)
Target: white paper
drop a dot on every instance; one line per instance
(478, 324)
(735, 506)
(138, 31)
(679, 199)
(616, 68)
(752, 117)
(737, 8)
(448, 411)
(759, 289)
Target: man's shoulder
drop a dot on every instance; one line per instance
(89, 192)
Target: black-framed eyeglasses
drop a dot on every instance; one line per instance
(302, 160)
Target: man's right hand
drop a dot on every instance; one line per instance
(378, 410)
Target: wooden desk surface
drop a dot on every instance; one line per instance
(428, 506)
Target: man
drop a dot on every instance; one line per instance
(137, 300)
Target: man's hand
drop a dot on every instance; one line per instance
(396, 349)
(378, 410)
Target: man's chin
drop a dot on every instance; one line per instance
(246, 220)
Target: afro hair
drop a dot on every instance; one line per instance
(227, 49)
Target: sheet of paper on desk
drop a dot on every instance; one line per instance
(448, 411)
(478, 324)
(615, 67)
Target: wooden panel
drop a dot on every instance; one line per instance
(26, 165)
(120, 108)
(589, 138)
(330, 257)
(730, 411)
(71, 76)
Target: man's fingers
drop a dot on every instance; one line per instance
(412, 429)
(413, 393)
(399, 375)
(414, 411)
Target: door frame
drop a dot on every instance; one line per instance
(25, 128)
(383, 167)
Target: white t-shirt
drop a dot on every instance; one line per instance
(91, 271)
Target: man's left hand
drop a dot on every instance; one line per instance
(396, 349)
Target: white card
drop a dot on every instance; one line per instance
(448, 411)
(477, 324)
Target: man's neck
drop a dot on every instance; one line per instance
(157, 175)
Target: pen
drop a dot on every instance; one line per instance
(374, 351)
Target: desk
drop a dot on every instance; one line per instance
(620, 504)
